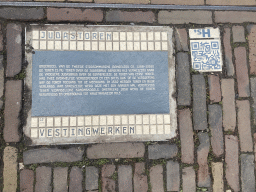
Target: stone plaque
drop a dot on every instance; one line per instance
(92, 84)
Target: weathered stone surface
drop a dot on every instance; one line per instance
(75, 181)
(252, 48)
(215, 122)
(228, 52)
(125, 178)
(242, 72)
(173, 176)
(10, 169)
(228, 104)
(247, 172)
(116, 150)
(43, 179)
(178, 2)
(108, 184)
(14, 49)
(217, 174)
(162, 151)
(214, 86)
(238, 34)
(60, 179)
(231, 159)
(181, 38)
(204, 179)
(156, 178)
(92, 177)
(183, 79)
(140, 179)
(188, 179)
(1, 80)
(244, 126)
(186, 136)
(26, 180)
(123, 1)
(199, 102)
(253, 86)
(12, 109)
(127, 16)
(181, 17)
(72, 14)
(1, 38)
(234, 16)
(45, 155)
(21, 13)
(230, 2)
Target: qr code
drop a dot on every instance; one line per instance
(206, 55)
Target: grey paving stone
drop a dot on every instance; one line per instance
(22, 13)
(128, 16)
(254, 110)
(14, 49)
(181, 17)
(181, 38)
(43, 179)
(199, 102)
(47, 155)
(27, 180)
(238, 34)
(173, 176)
(75, 180)
(252, 49)
(140, 179)
(13, 102)
(92, 177)
(156, 178)
(162, 151)
(186, 136)
(204, 179)
(1, 80)
(108, 184)
(183, 79)
(234, 16)
(253, 86)
(125, 178)
(215, 122)
(10, 169)
(188, 179)
(228, 52)
(116, 150)
(60, 179)
(247, 172)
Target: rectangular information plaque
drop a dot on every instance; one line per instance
(94, 84)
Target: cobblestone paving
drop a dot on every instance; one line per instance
(216, 143)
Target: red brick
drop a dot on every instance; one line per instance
(123, 1)
(204, 179)
(234, 16)
(178, 2)
(75, 181)
(186, 136)
(156, 178)
(72, 14)
(181, 37)
(244, 126)
(214, 85)
(188, 179)
(231, 159)
(228, 53)
(229, 111)
(13, 99)
(43, 179)
(127, 16)
(242, 72)
(108, 184)
(140, 178)
(230, 2)
(26, 180)
(252, 48)
(14, 49)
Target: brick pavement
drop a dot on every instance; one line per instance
(214, 150)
